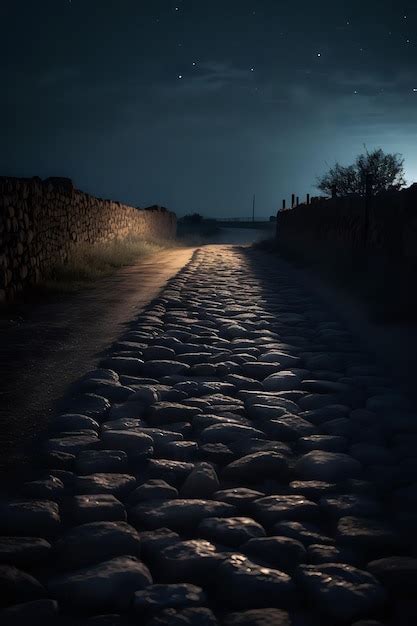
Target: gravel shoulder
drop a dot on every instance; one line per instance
(45, 346)
(393, 344)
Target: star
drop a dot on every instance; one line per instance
(222, 84)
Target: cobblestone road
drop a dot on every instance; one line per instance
(236, 459)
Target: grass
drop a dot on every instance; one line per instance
(89, 263)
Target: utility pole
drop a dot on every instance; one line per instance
(253, 208)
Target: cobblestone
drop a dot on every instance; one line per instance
(237, 458)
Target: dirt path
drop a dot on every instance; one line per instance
(46, 347)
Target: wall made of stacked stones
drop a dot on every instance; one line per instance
(43, 222)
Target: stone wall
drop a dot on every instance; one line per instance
(342, 228)
(42, 222)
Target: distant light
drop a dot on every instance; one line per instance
(180, 76)
(252, 69)
(319, 54)
(415, 89)
(355, 91)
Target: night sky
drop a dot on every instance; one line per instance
(198, 104)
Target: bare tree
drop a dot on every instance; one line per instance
(387, 172)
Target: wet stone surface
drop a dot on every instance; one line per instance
(237, 458)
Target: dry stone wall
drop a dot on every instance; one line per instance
(42, 223)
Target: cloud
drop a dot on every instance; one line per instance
(207, 78)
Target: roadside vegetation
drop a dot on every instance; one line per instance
(89, 263)
(383, 286)
(194, 229)
(386, 170)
